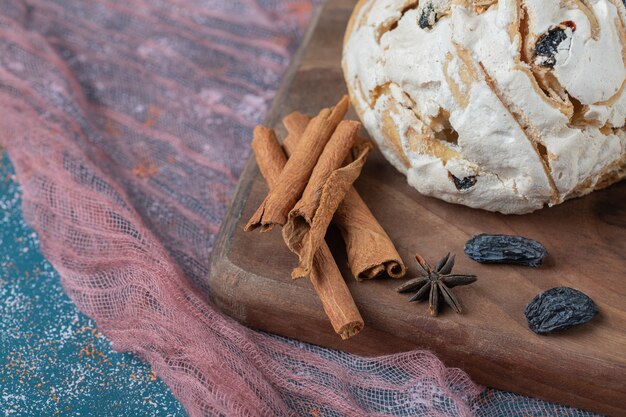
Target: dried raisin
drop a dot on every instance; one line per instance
(548, 46)
(505, 249)
(428, 17)
(465, 183)
(559, 309)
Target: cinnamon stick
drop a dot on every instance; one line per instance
(308, 220)
(370, 251)
(325, 276)
(294, 177)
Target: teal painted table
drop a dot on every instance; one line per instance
(53, 360)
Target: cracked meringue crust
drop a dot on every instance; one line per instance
(465, 98)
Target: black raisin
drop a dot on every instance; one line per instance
(505, 249)
(464, 183)
(559, 309)
(548, 46)
(428, 17)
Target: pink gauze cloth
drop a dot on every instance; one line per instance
(128, 123)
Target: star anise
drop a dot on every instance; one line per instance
(435, 282)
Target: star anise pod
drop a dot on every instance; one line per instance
(436, 282)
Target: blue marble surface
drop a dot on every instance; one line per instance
(53, 360)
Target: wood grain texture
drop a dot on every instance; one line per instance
(584, 367)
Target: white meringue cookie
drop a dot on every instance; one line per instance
(502, 105)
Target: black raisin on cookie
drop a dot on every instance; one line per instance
(431, 11)
(465, 183)
(549, 43)
(428, 17)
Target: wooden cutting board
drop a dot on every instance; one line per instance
(584, 367)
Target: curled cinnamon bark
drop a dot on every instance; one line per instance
(370, 250)
(325, 276)
(371, 253)
(308, 220)
(269, 155)
(293, 179)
